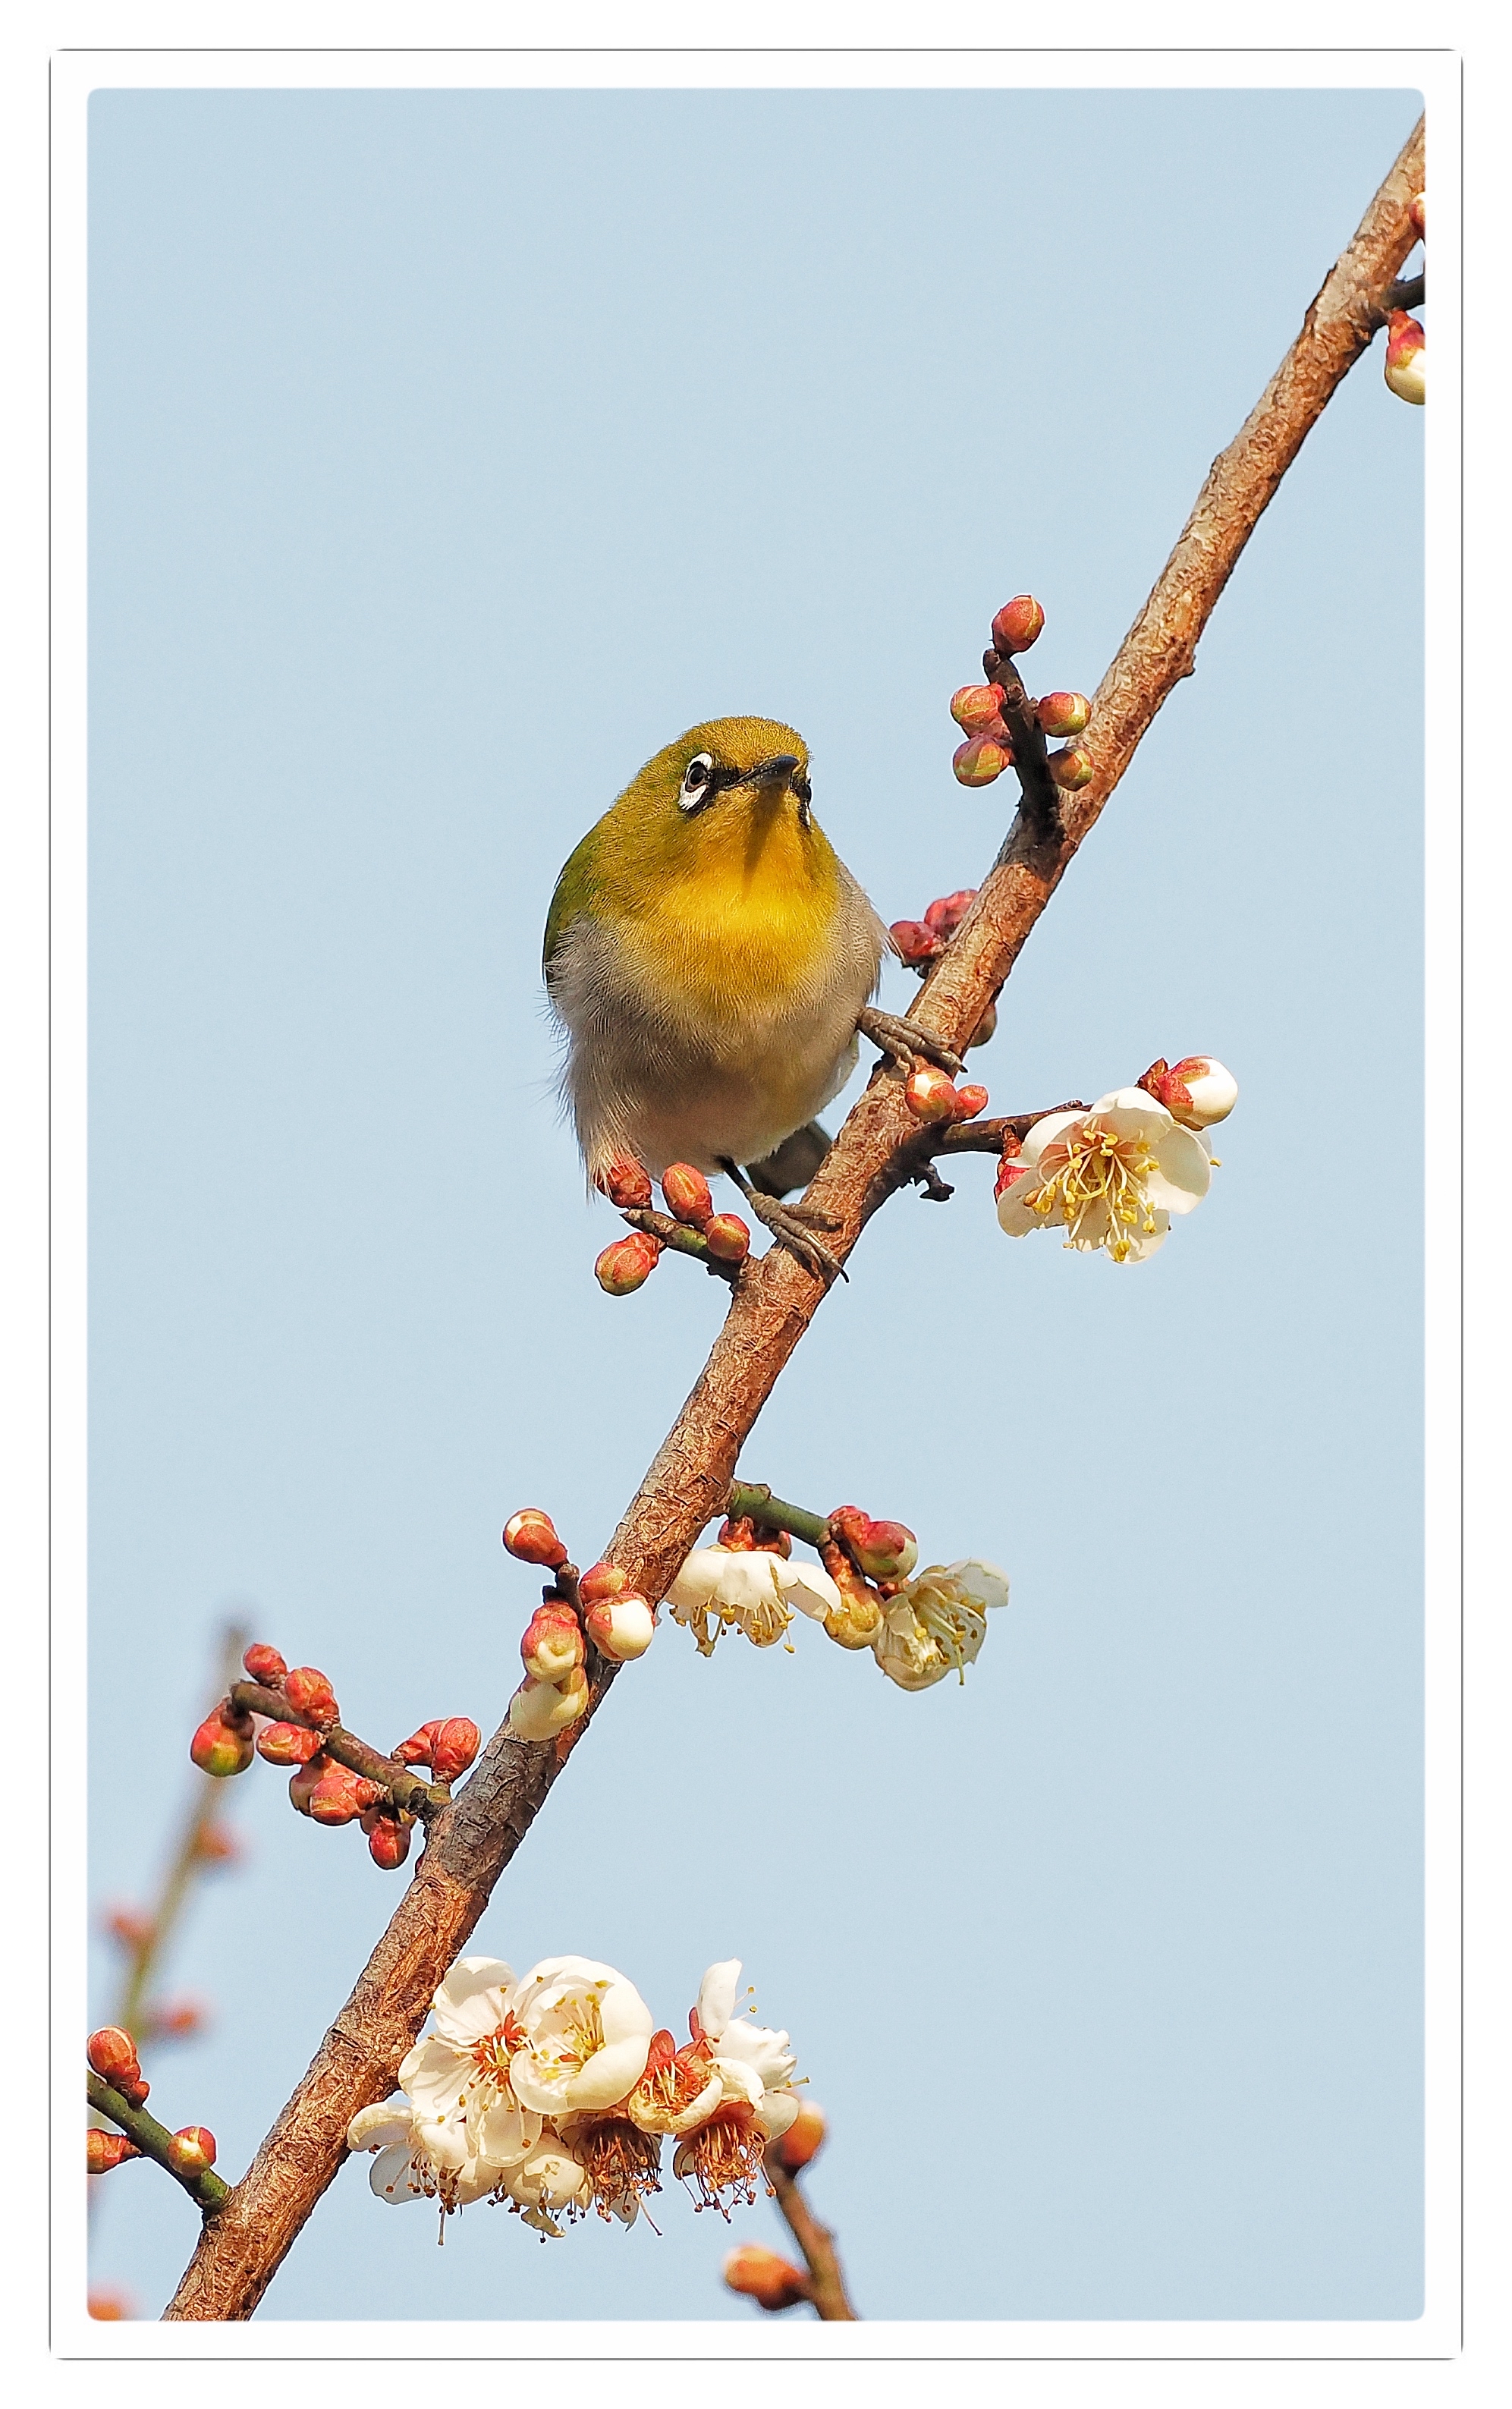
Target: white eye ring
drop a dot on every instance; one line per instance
(698, 782)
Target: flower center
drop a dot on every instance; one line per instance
(1091, 1167)
(621, 2162)
(724, 2155)
(492, 2054)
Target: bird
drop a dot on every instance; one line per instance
(710, 961)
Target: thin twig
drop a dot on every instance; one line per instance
(472, 1842)
(423, 1800)
(826, 2285)
(205, 2189)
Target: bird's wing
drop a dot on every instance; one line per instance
(574, 895)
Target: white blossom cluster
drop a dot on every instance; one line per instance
(555, 2094)
(1112, 1176)
(932, 1624)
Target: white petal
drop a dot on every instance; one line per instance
(1018, 1217)
(1129, 1100)
(506, 2134)
(809, 1589)
(778, 2109)
(392, 2176)
(749, 1580)
(699, 1577)
(610, 2073)
(1184, 1171)
(471, 1975)
(767, 2053)
(436, 2075)
(715, 2003)
(741, 2083)
(983, 1583)
(444, 2143)
(1043, 1132)
(380, 2128)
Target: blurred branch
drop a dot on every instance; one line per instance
(472, 1840)
(826, 2285)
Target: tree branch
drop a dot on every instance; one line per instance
(153, 2140)
(826, 2285)
(420, 1798)
(472, 1840)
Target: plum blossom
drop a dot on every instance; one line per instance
(581, 2035)
(747, 1589)
(550, 2178)
(420, 2158)
(1111, 1177)
(460, 2072)
(936, 1622)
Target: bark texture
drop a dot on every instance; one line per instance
(472, 1840)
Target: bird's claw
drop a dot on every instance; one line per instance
(793, 1227)
(904, 1039)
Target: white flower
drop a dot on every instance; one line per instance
(937, 1621)
(460, 2072)
(1111, 1177)
(583, 2033)
(749, 1589)
(744, 2052)
(551, 2177)
(420, 2158)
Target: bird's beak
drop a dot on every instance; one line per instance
(777, 770)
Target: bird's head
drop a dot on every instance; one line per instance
(753, 770)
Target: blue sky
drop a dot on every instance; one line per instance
(450, 453)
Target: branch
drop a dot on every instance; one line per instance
(422, 1799)
(154, 2141)
(826, 2285)
(472, 1840)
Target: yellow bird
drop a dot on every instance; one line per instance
(711, 958)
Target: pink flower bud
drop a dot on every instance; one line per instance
(603, 1581)
(540, 1709)
(1197, 1091)
(946, 913)
(458, 1743)
(112, 2053)
(915, 942)
(1405, 359)
(304, 1784)
(309, 1693)
(1418, 214)
(287, 1744)
(1071, 767)
(628, 1264)
(803, 2139)
(552, 1645)
(728, 1237)
(179, 2020)
(930, 1094)
(980, 760)
(265, 1665)
(883, 1551)
(760, 2275)
(217, 1846)
(1017, 625)
(111, 2305)
(107, 2150)
(1063, 715)
(339, 1796)
(628, 1184)
(976, 707)
(388, 1841)
(971, 1100)
(130, 1927)
(687, 1192)
(531, 1536)
(192, 2150)
(622, 1627)
(219, 1748)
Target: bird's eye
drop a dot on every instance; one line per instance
(698, 782)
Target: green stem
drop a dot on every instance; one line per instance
(206, 2190)
(753, 1499)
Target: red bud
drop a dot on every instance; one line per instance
(628, 1264)
(179, 2021)
(915, 942)
(603, 1581)
(304, 1784)
(626, 1184)
(946, 913)
(265, 1665)
(128, 1925)
(310, 1694)
(552, 1645)
(388, 1841)
(531, 1536)
(287, 1744)
(341, 1795)
(980, 760)
(1071, 767)
(1017, 625)
(986, 1028)
(192, 2150)
(1063, 715)
(107, 2150)
(976, 707)
(217, 1846)
(970, 1101)
(762, 2276)
(218, 1747)
(803, 2139)
(622, 1627)
(930, 1094)
(688, 1195)
(458, 1741)
(112, 2053)
(108, 2306)
(728, 1237)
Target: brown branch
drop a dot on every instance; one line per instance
(470, 1841)
(422, 1799)
(206, 2188)
(826, 2285)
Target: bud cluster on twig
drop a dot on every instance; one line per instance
(596, 1608)
(117, 2088)
(690, 1226)
(1005, 727)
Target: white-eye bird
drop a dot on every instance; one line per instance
(711, 958)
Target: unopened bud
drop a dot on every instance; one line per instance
(628, 1184)
(760, 2275)
(178, 2020)
(803, 2139)
(304, 1784)
(883, 1551)
(1407, 361)
(1197, 1091)
(688, 1195)
(981, 759)
(310, 1694)
(1071, 767)
(552, 1644)
(531, 1536)
(970, 1099)
(341, 1795)
(628, 1264)
(107, 2150)
(264, 1665)
(458, 1743)
(130, 1927)
(112, 2053)
(1063, 715)
(915, 941)
(985, 1030)
(540, 1709)
(930, 1093)
(287, 1744)
(1017, 625)
(217, 1846)
(622, 1627)
(219, 1748)
(946, 913)
(976, 707)
(388, 1841)
(603, 1581)
(192, 2150)
(1418, 214)
(728, 1237)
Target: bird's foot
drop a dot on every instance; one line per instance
(904, 1039)
(793, 1226)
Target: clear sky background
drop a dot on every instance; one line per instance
(451, 453)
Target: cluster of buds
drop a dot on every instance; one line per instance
(598, 1608)
(978, 710)
(690, 1226)
(556, 2094)
(920, 943)
(932, 1095)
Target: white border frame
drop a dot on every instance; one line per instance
(1435, 2335)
